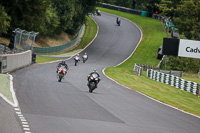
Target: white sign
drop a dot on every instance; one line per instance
(189, 48)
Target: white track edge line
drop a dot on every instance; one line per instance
(15, 104)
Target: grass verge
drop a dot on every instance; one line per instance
(153, 34)
(40, 59)
(4, 87)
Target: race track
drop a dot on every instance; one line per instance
(68, 107)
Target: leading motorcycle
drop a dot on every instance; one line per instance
(61, 73)
(93, 80)
(118, 22)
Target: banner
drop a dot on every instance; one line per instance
(189, 48)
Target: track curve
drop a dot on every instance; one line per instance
(52, 107)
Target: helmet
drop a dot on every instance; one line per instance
(85, 53)
(77, 54)
(95, 70)
(63, 62)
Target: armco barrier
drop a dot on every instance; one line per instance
(56, 49)
(175, 81)
(11, 62)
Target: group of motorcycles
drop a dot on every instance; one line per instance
(77, 58)
(93, 78)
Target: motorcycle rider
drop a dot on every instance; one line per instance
(84, 56)
(118, 20)
(98, 12)
(62, 64)
(77, 55)
(93, 72)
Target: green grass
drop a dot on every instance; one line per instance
(40, 59)
(153, 34)
(191, 77)
(89, 34)
(4, 87)
(197, 80)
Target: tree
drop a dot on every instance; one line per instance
(4, 20)
(148, 5)
(31, 15)
(72, 13)
(190, 65)
(51, 21)
(65, 11)
(186, 15)
(168, 7)
(188, 20)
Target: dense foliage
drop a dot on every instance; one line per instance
(186, 16)
(48, 17)
(190, 65)
(4, 20)
(188, 19)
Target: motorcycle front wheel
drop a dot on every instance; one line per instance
(60, 78)
(92, 86)
(76, 63)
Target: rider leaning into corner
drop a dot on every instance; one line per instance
(62, 64)
(77, 55)
(118, 20)
(93, 72)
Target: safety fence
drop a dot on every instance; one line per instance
(137, 70)
(56, 49)
(143, 67)
(171, 72)
(175, 81)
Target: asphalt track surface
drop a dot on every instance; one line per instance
(67, 107)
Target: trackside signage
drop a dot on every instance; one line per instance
(189, 48)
